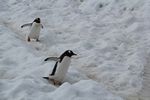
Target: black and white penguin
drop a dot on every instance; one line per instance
(61, 67)
(35, 29)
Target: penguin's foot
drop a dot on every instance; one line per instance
(28, 39)
(37, 40)
(55, 82)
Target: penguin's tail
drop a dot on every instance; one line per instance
(47, 78)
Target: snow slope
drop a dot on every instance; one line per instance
(21, 73)
(111, 38)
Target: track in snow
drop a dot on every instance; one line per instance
(145, 91)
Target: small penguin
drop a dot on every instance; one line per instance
(35, 29)
(61, 67)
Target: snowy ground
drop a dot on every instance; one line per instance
(111, 38)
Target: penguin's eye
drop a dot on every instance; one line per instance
(69, 51)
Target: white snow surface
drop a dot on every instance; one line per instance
(111, 38)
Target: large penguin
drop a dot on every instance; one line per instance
(35, 29)
(61, 67)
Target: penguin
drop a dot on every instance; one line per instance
(60, 68)
(35, 29)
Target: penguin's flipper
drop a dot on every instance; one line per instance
(47, 78)
(52, 58)
(28, 24)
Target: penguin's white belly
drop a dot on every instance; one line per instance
(35, 31)
(62, 69)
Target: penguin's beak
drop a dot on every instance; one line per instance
(74, 54)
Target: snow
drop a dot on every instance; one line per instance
(111, 38)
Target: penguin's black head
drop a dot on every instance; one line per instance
(37, 20)
(67, 53)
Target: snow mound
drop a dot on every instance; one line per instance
(34, 89)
